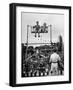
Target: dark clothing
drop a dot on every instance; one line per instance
(37, 27)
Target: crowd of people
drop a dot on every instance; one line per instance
(41, 63)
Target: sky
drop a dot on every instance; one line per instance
(56, 20)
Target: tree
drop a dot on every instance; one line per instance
(60, 44)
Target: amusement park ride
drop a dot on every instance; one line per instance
(37, 30)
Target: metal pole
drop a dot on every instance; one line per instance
(27, 41)
(50, 33)
(27, 34)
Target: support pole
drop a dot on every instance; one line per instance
(27, 34)
(50, 33)
(27, 41)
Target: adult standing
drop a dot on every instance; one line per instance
(54, 60)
